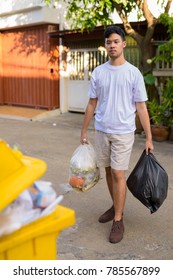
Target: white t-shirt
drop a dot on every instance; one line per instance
(117, 89)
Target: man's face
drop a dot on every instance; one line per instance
(114, 45)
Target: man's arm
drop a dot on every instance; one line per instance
(145, 121)
(90, 109)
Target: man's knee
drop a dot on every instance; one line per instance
(118, 174)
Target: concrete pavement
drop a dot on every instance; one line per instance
(53, 139)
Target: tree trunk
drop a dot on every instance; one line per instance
(146, 53)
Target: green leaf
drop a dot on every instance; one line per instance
(149, 79)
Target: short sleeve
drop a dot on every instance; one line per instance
(92, 93)
(140, 94)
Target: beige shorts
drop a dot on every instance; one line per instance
(113, 150)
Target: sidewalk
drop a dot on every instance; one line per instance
(21, 112)
(53, 139)
(25, 113)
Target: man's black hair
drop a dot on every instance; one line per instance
(114, 29)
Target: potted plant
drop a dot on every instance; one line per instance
(159, 124)
(161, 114)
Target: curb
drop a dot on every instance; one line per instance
(46, 115)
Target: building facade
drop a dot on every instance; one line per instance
(27, 54)
(44, 65)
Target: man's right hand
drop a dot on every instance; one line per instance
(84, 138)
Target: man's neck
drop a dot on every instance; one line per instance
(117, 62)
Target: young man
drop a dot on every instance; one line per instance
(117, 89)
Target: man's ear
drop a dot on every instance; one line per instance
(124, 44)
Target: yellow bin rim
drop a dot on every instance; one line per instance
(17, 173)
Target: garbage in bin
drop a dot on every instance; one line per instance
(35, 202)
(35, 240)
(42, 193)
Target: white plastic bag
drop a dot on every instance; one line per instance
(84, 158)
(17, 214)
(84, 172)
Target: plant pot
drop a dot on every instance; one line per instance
(160, 133)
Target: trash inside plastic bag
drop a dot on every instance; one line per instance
(84, 172)
(35, 202)
(148, 182)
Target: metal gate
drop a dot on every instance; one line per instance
(80, 64)
(26, 78)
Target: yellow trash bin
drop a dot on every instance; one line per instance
(36, 240)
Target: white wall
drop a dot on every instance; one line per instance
(15, 13)
(7, 6)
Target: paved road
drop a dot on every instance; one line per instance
(54, 139)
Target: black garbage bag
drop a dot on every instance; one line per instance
(148, 182)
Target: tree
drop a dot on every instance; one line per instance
(87, 14)
(166, 49)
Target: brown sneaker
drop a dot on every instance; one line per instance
(107, 216)
(117, 230)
